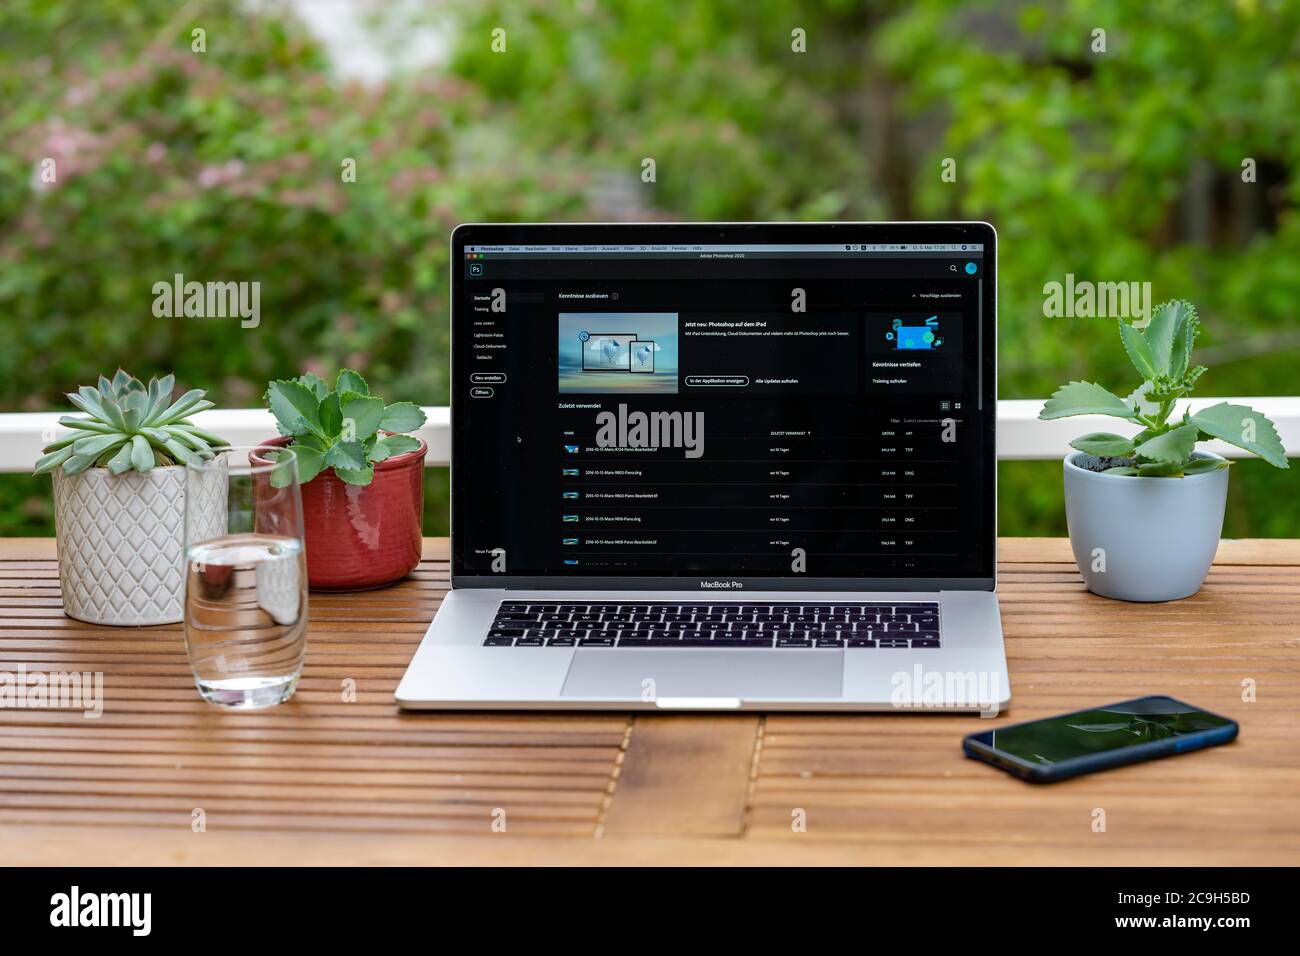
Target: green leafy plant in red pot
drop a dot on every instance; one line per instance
(362, 478)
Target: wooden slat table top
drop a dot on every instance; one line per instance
(324, 781)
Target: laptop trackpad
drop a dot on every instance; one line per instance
(643, 674)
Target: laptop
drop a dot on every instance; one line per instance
(720, 466)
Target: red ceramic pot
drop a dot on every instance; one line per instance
(364, 536)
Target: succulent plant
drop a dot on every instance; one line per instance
(1161, 354)
(129, 425)
(340, 428)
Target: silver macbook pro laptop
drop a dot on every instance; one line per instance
(720, 466)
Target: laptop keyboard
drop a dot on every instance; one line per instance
(894, 625)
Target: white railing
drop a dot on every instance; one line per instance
(1021, 436)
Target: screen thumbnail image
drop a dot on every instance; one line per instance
(618, 352)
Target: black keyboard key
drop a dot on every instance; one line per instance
(605, 608)
(924, 635)
(859, 642)
(571, 632)
(697, 642)
(794, 642)
(561, 642)
(596, 642)
(828, 642)
(508, 608)
(633, 608)
(498, 642)
(529, 642)
(571, 608)
(506, 632)
(925, 643)
(615, 617)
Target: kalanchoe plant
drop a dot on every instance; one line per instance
(1161, 353)
(341, 428)
(129, 425)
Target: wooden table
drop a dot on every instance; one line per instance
(321, 780)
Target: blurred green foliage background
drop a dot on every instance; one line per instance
(1117, 165)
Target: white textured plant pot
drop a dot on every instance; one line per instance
(120, 542)
(1144, 539)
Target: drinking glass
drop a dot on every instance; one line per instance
(245, 575)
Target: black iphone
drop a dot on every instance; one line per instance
(1055, 748)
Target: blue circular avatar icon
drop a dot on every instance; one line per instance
(970, 268)
(584, 335)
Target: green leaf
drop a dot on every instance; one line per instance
(364, 415)
(112, 413)
(1160, 469)
(346, 454)
(397, 445)
(180, 452)
(331, 418)
(310, 462)
(1138, 352)
(1104, 445)
(77, 464)
(86, 424)
(315, 384)
(402, 417)
(96, 445)
(187, 404)
(52, 460)
(213, 440)
(350, 381)
(1084, 398)
(1184, 338)
(1244, 427)
(1121, 470)
(376, 450)
(121, 462)
(294, 406)
(62, 442)
(1174, 446)
(1199, 466)
(357, 476)
(1169, 319)
(142, 458)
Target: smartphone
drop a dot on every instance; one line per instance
(1055, 748)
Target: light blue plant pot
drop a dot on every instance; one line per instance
(1144, 539)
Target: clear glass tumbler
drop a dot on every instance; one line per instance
(245, 575)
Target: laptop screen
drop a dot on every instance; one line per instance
(804, 408)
